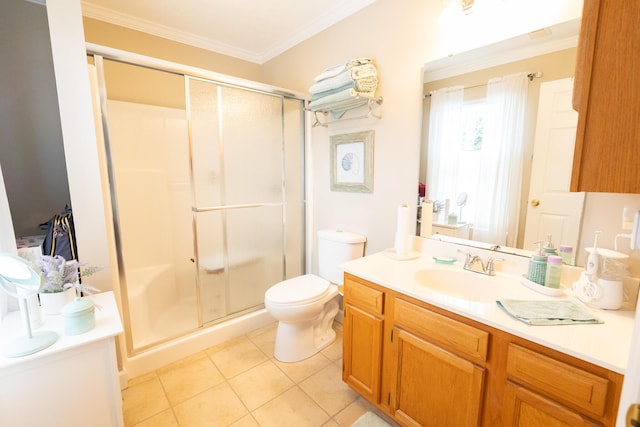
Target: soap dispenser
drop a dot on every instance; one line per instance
(538, 266)
(549, 249)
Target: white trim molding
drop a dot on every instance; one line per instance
(319, 24)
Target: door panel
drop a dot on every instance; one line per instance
(552, 209)
(362, 339)
(524, 408)
(424, 392)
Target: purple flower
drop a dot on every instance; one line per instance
(60, 274)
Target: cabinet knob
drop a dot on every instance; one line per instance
(535, 202)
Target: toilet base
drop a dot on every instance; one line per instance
(301, 340)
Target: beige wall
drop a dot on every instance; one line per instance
(394, 34)
(401, 37)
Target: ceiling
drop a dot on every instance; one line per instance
(251, 30)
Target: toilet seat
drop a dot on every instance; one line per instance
(299, 290)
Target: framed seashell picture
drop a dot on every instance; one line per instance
(352, 162)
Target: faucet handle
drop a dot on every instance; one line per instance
(489, 269)
(468, 258)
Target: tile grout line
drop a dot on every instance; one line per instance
(254, 339)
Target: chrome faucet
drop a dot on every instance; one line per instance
(472, 260)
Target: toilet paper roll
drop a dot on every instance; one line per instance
(402, 230)
(425, 223)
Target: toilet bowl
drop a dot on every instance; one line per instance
(305, 307)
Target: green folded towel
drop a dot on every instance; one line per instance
(548, 312)
(369, 419)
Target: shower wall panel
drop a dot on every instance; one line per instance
(150, 162)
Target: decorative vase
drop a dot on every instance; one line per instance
(52, 303)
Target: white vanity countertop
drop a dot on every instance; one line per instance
(108, 325)
(605, 344)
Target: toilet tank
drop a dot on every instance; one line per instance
(334, 248)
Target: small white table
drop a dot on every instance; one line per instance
(74, 382)
(454, 230)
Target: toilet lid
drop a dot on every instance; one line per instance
(301, 289)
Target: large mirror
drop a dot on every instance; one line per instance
(547, 57)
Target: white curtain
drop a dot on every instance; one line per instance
(502, 160)
(444, 142)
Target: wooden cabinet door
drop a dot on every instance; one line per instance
(362, 352)
(434, 387)
(525, 408)
(607, 98)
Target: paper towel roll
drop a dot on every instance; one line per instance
(402, 229)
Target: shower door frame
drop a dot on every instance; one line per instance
(99, 54)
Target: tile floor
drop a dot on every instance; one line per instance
(239, 383)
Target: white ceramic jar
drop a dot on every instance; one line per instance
(79, 316)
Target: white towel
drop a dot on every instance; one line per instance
(337, 69)
(364, 77)
(341, 100)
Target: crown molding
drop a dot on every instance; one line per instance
(128, 21)
(321, 23)
(318, 25)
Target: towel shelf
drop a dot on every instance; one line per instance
(372, 106)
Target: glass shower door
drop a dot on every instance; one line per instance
(237, 146)
(148, 152)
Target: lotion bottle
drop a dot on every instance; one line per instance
(554, 271)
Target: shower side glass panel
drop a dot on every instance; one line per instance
(149, 166)
(294, 161)
(237, 148)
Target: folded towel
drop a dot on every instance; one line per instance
(359, 86)
(369, 419)
(337, 69)
(360, 76)
(350, 85)
(362, 71)
(548, 312)
(341, 100)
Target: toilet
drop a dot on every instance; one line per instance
(305, 306)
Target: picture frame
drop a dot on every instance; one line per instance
(352, 162)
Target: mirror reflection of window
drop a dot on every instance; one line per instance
(476, 147)
(470, 155)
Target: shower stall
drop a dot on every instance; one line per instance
(207, 187)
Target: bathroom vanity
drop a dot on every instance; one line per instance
(429, 358)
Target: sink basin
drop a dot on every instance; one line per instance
(469, 286)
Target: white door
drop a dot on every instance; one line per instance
(552, 209)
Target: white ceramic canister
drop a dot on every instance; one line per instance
(611, 295)
(79, 316)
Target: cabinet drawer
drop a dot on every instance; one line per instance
(452, 334)
(368, 299)
(565, 383)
